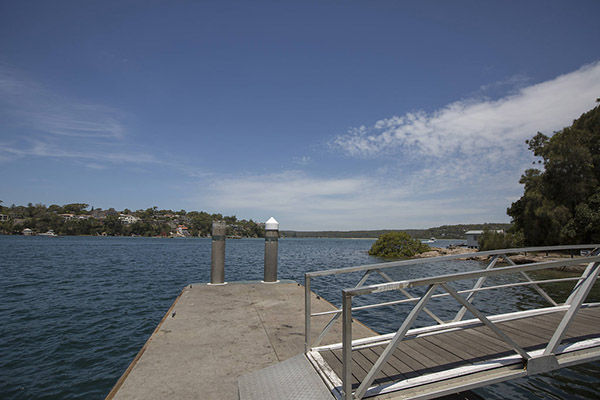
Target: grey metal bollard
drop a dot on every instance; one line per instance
(217, 256)
(271, 244)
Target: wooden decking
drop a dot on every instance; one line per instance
(423, 359)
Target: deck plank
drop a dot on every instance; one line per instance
(443, 351)
(403, 364)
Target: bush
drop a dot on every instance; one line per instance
(397, 245)
(491, 240)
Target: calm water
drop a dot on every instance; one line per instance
(74, 311)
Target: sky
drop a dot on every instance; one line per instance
(327, 115)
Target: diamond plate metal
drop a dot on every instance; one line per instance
(293, 379)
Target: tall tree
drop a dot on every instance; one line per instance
(559, 201)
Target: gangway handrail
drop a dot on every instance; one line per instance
(401, 263)
(368, 269)
(534, 361)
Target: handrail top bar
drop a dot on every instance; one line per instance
(384, 287)
(447, 257)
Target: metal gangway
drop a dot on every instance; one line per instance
(450, 356)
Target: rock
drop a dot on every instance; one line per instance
(438, 251)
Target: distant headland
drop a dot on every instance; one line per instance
(81, 219)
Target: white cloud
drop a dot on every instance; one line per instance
(304, 160)
(306, 202)
(479, 128)
(460, 164)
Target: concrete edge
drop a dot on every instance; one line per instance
(279, 282)
(133, 363)
(123, 377)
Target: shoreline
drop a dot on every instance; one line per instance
(520, 258)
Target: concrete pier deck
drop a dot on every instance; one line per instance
(214, 334)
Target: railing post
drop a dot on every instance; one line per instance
(271, 245)
(346, 346)
(217, 257)
(307, 314)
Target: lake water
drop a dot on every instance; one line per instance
(74, 311)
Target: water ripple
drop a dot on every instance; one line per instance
(75, 311)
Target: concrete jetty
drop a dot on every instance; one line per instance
(214, 334)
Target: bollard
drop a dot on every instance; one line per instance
(217, 257)
(271, 243)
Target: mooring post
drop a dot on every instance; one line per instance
(271, 244)
(217, 257)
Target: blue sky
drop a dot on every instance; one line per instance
(324, 114)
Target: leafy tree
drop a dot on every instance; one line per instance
(558, 203)
(584, 227)
(113, 225)
(397, 245)
(75, 208)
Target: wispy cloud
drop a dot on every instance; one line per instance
(478, 127)
(41, 123)
(40, 108)
(304, 160)
(47, 150)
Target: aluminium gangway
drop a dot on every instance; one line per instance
(460, 354)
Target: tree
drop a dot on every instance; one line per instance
(397, 245)
(558, 203)
(75, 208)
(113, 225)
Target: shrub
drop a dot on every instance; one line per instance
(491, 240)
(397, 245)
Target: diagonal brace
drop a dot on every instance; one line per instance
(411, 297)
(398, 337)
(486, 321)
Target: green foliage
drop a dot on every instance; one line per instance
(397, 245)
(492, 240)
(153, 222)
(560, 204)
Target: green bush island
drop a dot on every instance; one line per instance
(397, 245)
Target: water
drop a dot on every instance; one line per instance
(74, 311)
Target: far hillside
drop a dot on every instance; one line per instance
(440, 232)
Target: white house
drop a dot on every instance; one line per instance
(128, 219)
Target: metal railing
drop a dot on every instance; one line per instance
(582, 286)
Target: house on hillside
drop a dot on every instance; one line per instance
(182, 230)
(71, 217)
(3, 218)
(128, 219)
(67, 217)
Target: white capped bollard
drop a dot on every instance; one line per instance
(271, 244)
(217, 256)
